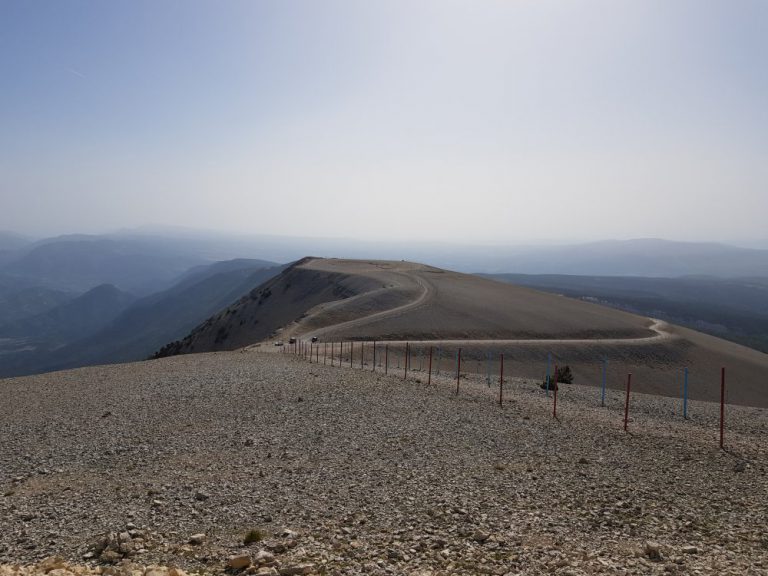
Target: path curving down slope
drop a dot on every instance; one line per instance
(443, 305)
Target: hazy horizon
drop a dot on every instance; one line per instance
(182, 232)
(462, 122)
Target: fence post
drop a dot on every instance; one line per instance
(602, 394)
(685, 393)
(626, 403)
(458, 370)
(488, 368)
(722, 405)
(549, 360)
(386, 358)
(501, 378)
(373, 369)
(362, 354)
(429, 378)
(405, 367)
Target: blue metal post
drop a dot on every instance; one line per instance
(602, 397)
(457, 361)
(685, 393)
(549, 361)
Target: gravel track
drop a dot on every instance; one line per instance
(374, 475)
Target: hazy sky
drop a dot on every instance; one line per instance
(513, 120)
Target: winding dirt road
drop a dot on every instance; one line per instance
(428, 291)
(658, 326)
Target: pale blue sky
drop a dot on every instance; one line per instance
(476, 121)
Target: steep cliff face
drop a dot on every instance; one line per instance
(271, 309)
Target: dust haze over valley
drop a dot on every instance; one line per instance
(426, 287)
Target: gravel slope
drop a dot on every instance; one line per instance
(370, 474)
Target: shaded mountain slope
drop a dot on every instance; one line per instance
(139, 331)
(279, 302)
(21, 300)
(147, 324)
(83, 315)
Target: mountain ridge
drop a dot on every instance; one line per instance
(395, 302)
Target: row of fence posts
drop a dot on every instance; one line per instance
(308, 349)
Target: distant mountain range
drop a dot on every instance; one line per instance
(107, 325)
(79, 264)
(647, 257)
(143, 262)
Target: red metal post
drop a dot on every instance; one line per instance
(429, 378)
(501, 379)
(722, 405)
(458, 371)
(626, 403)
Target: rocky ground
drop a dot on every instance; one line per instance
(267, 464)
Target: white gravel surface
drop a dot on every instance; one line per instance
(343, 471)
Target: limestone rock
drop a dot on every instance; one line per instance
(239, 562)
(297, 569)
(653, 550)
